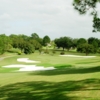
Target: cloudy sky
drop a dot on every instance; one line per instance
(54, 18)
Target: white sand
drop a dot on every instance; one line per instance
(28, 67)
(35, 68)
(26, 60)
(78, 56)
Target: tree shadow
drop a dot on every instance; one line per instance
(69, 70)
(42, 90)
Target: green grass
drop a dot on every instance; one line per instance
(74, 79)
(8, 70)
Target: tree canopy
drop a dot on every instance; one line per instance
(46, 40)
(34, 36)
(85, 48)
(64, 42)
(83, 6)
(26, 44)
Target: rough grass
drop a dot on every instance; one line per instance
(75, 81)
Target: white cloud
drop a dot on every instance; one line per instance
(5, 16)
(45, 17)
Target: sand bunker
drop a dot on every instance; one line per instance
(35, 68)
(78, 56)
(26, 60)
(28, 67)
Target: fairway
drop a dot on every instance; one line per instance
(75, 78)
(49, 51)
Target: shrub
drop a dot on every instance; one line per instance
(19, 53)
(29, 48)
(62, 53)
(46, 51)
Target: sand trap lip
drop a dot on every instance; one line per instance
(78, 56)
(26, 60)
(29, 67)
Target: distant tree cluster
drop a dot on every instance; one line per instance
(26, 44)
(91, 45)
(64, 42)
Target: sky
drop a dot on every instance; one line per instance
(55, 18)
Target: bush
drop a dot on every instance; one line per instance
(62, 53)
(29, 48)
(46, 51)
(19, 53)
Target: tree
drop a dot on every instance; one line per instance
(46, 40)
(40, 40)
(74, 43)
(91, 39)
(95, 45)
(28, 48)
(5, 43)
(85, 48)
(84, 5)
(64, 42)
(14, 38)
(81, 41)
(2, 46)
(18, 41)
(57, 42)
(69, 43)
(95, 42)
(34, 36)
(25, 37)
(35, 43)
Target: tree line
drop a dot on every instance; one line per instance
(82, 45)
(28, 44)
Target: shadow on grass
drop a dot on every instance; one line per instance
(63, 66)
(41, 90)
(69, 70)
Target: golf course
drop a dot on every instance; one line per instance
(50, 50)
(73, 77)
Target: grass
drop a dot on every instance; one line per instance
(7, 70)
(74, 79)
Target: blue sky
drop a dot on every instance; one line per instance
(54, 18)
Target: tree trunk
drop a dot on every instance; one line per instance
(86, 53)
